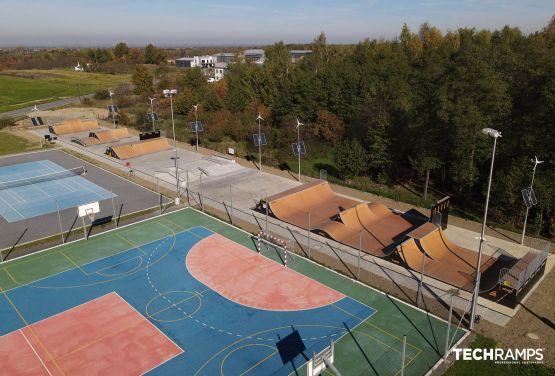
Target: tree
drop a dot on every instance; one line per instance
(121, 51)
(350, 158)
(142, 79)
(154, 55)
(328, 127)
(423, 165)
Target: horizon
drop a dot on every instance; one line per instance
(87, 23)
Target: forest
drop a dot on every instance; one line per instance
(398, 112)
(406, 112)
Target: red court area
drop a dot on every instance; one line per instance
(252, 280)
(105, 336)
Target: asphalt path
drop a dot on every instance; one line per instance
(44, 106)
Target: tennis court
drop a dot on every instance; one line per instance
(187, 294)
(33, 186)
(37, 188)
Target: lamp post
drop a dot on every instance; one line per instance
(112, 104)
(196, 124)
(495, 134)
(536, 162)
(259, 118)
(170, 93)
(152, 112)
(299, 146)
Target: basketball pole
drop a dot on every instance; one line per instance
(84, 228)
(419, 295)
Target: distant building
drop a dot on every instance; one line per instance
(299, 54)
(205, 61)
(220, 70)
(255, 56)
(224, 57)
(185, 62)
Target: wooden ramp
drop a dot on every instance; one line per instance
(110, 135)
(442, 259)
(371, 227)
(74, 126)
(138, 149)
(317, 198)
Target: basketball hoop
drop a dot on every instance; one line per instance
(90, 214)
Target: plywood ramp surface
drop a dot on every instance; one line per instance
(133, 150)
(318, 199)
(111, 135)
(74, 126)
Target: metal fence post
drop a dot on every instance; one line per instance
(448, 328)
(308, 234)
(60, 221)
(359, 254)
(231, 204)
(419, 295)
(403, 355)
(114, 209)
(200, 193)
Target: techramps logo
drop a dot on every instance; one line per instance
(501, 356)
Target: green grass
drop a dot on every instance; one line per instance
(10, 144)
(27, 87)
(481, 367)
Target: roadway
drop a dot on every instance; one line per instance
(44, 106)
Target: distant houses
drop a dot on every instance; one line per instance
(215, 67)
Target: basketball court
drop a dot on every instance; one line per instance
(187, 294)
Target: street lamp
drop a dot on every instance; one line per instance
(170, 93)
(495, 134)
(536, 162)
(299, 146)
(112, 104)
(196, 124)
(259, 118)
(152, 112)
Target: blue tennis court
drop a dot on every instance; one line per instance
(31, 200)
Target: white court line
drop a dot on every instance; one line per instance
(37, 355)
(11, 206)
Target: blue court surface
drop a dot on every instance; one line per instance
(32, 200)
(217, 335)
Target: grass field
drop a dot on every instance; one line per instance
(27, 87)
(10, 144)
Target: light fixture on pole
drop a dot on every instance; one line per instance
(196, 124)
(259, 118)
(495, 134)
(170, 93)
(112, 108)
(299, 146)
(152, 116)
(530, 193)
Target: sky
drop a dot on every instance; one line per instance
(217, 22)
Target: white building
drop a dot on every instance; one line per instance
(256, 56)
(205, 61)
